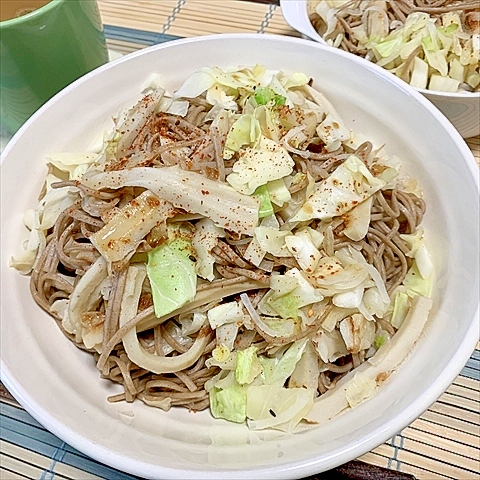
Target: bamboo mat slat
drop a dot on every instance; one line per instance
(446, 444)
(466, 382)
(151, 16)
(463, 402)
(463, 392)
(430, 464)
(373, 458)
(443, 443)
(436, 434)
(11, 475)
(197, 18)
(12, 464)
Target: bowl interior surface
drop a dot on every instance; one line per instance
(60, 386)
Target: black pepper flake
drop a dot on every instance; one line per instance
(272, 413)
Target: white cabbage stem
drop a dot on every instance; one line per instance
(188, 190)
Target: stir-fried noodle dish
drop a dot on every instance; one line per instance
(432, 44)
(234, 246)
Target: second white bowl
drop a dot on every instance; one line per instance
(462, 109)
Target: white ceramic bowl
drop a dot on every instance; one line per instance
(59, 384)
(462, 109)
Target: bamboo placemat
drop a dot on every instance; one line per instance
(443, 443)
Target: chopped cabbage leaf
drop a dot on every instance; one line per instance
(258, 166)
(419, 251)
(332, 277)
(335, 315)
(349, 299)
(172, 274)
(287, 294)
(40, 220)
(442, 83)
(225, 313)
(226, 334)
(357, 220)
(74, 164)
(272, 406)
(204, 240)
(265, 95)
(229, 403)
(373, 304)
(416, 284)
(286, 306)
(306, 371)
(218, 96)
(379, 341)
(244, 132)
(266, 207)
(332, 131)
(303, 249)
(401, 306)
(248, 365)
(350, 184)
(221, 353)
(330, 345)
(287, 363)
(223, 359)
(419, 78)
(278, 191)
(272, 240)
(357, 332)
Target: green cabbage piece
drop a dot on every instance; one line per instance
(278, 192)
(40, 220)
(286, 306)
(287, 294)
(172, 274)
(244, 132)
(229, 403)
(266, 207)
(248, 365)
(287, 363)
(379, 341)
(401, 306)
(264, 95)
(416, 284)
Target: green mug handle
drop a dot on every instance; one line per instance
(45, 50)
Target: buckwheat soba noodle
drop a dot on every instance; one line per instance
(432, 44)
(234, 246)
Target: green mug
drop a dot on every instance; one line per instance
(51, 44)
